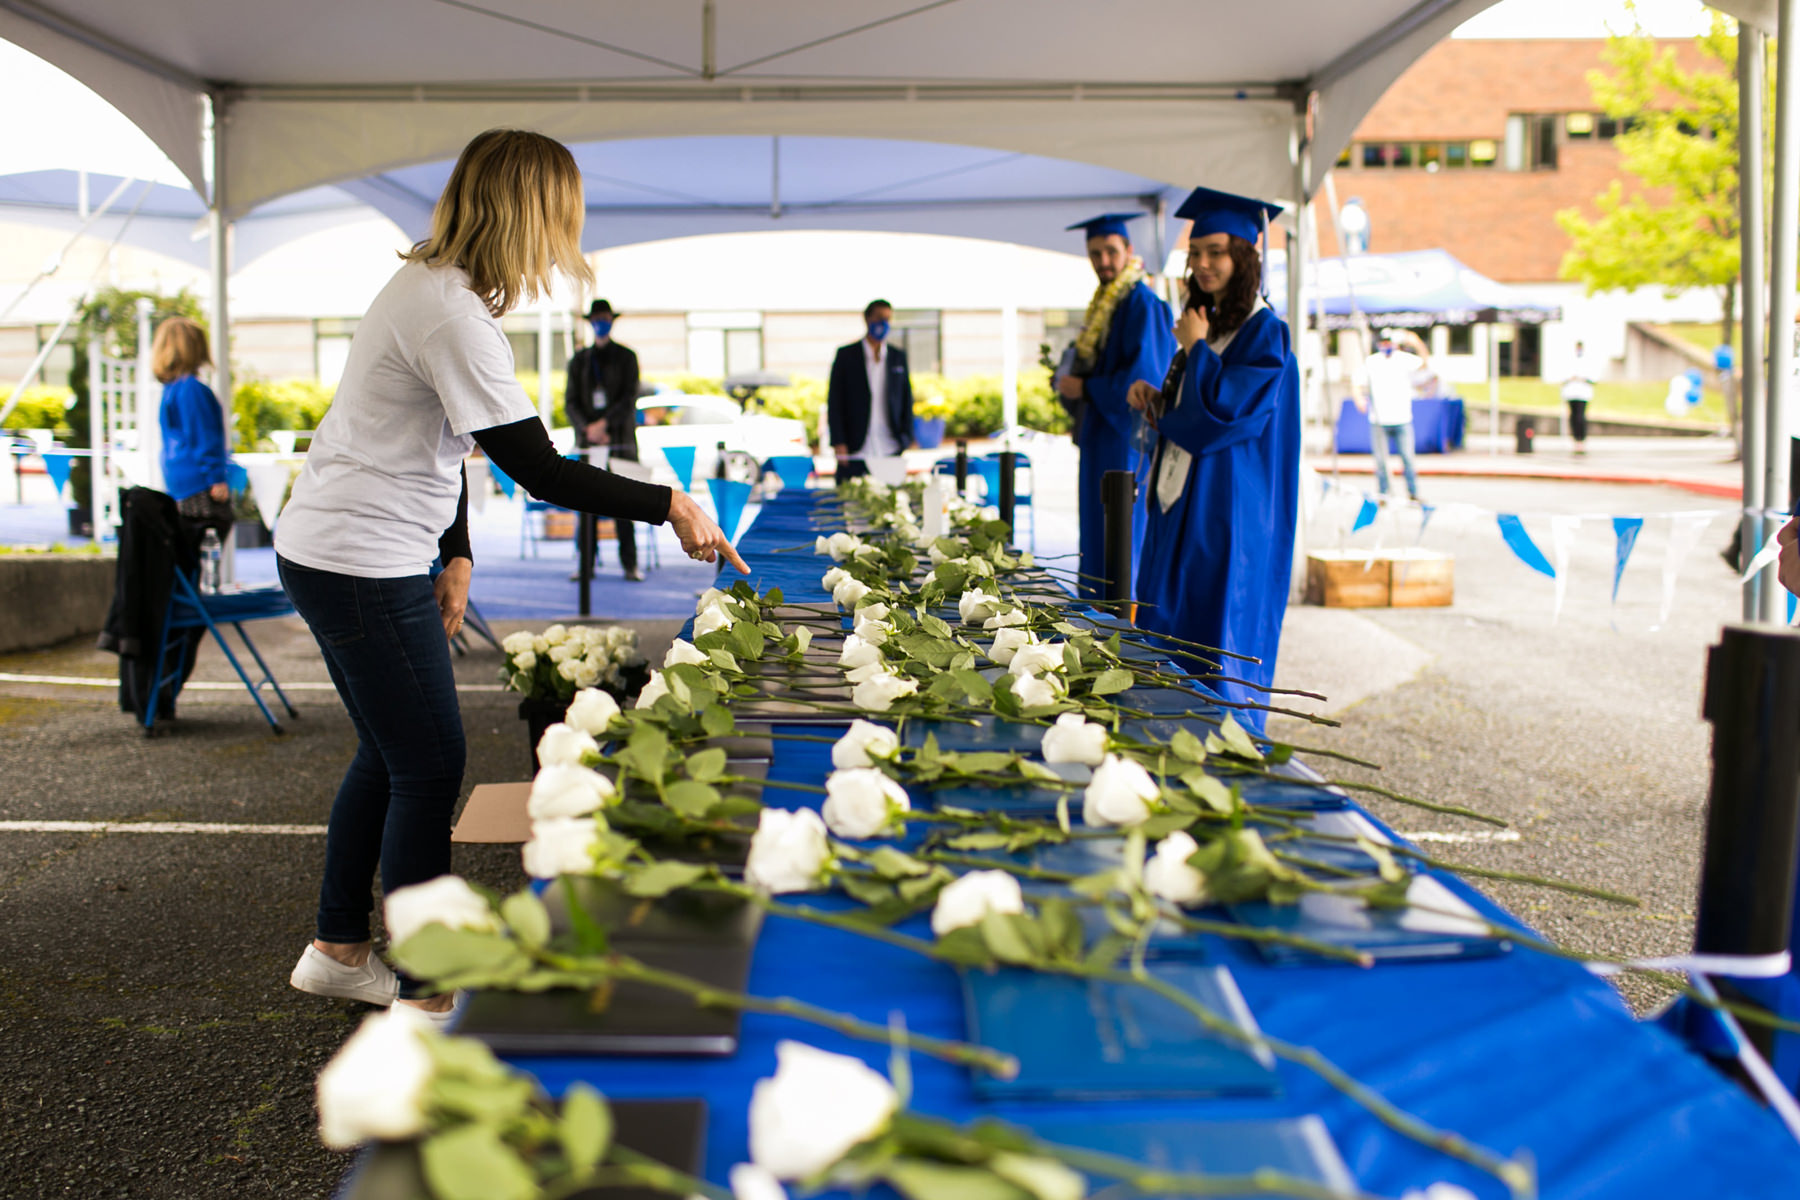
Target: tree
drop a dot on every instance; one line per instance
(1680, 228)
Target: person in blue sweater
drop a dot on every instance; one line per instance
(1125, 339)
(1225, 478)
(194, 458)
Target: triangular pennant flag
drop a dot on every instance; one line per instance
(1562, 541)
(1512, 532)
(57, 465)
(268, 485)
(1625, 536)
(1791, 599)
(794, 469)
(681, 461)
(502, 480)
(1425, 515)
(1365, 516)
(729, 497)
(1685, 531)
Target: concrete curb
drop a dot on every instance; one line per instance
(47, 598)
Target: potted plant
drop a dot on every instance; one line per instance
(929, 416)
(548, 668)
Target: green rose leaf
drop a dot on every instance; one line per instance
(1012, 938)
(659, 879)
(1111, 681)
(1234, 740)
(707, 765)
(1187, 746)
(436, 952)
(1062, 928)
(918, 1179)
(490, 1100)
(723, 660)
(716, 721)
(465, 1058)
(890, 863)
(586, 1128)
(527, 917)
(691, 798)
(472, 1163)
(772, 597)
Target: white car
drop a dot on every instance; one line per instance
(679, 419)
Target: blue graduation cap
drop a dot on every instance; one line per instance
(1106, 224)
(1222, 212)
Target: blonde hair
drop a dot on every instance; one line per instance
(510, 215)
(178, 349)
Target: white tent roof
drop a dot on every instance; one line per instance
(337, 90)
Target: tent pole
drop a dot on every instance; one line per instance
(545, 332)
(1752, 49)
(1493, 357)
(219, 231)
(1784, 247)
(1009, 371)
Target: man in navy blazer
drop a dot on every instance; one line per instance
(869, 407)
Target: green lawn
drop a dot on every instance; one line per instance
(1706, 336)
(1642, 399)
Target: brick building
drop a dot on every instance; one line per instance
(1474, 150)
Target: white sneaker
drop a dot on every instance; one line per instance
(322, 975)
(440, 1021)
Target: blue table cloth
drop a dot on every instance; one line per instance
(1437, 427)
(1515, 1051)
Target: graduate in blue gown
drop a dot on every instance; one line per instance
(1224, 480)
(1126, 339)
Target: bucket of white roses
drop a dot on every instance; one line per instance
(548, 668)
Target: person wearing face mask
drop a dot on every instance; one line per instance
(1124, 340)
(1225, 475)
(601, 400)
(869, 407)
(1390, 373)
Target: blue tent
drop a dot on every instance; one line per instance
(1413, 290)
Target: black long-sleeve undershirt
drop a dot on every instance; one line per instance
(523, 450)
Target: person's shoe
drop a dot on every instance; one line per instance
(635, 574)
(322, 975)
(442, 1022)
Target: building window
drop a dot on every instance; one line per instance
(331, 348)
(1579, 126)
(721, 344)
(1531, 142)
(1432, 156)
(1483, 152)
(916, 332)
(1461, 341)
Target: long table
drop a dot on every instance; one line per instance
(1519, 1050)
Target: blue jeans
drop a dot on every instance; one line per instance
(1378, 438)
(384, 644)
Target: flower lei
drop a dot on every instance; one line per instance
(1098, 322)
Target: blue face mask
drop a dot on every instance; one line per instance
(1387, 350)
(878, 330)
(602, 326)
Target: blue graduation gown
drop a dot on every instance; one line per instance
(1140, 345)
(1217, 564)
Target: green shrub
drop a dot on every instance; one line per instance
(559, 382)
(261, 406)
(802, 401)
(693, 385)
(39, 408)
(972, 405)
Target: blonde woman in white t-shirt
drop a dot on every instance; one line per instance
(383, 493)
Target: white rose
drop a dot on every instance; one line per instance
(568, 790)
(858, 652)
(539, 645)
(789, 852)
(937, 556)
(866, 671)
(713, 618)
(1075, 739)
(1037, 691)
(1008, 642)
(1168, 875)
(684, 651)
(977, 606)
(618, 635)
(592, 636)
(562, 652)
(860, 802)
(973, 897)
(866, 553)
(830, 579)
(591, 711)
(655, 689)
(516, 643)
(815, 1109)
(708, 598)
(848, 592)
(821, 545)
(863, 743)
(564, 744)
(556, 635)
(561, 846)
(1439, 1191)
(989, 512)
(1012, 616)
(1120, 793)
(570, 668)
(842, 545)
(1029, 660)
(751, 1182)
(879, 693)
(525, 660)
(374, 1086)
(446, 901)
(872, 631)
(587, 673)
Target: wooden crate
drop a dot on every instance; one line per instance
(1421, 579)
(559, 525)
(1346, 579)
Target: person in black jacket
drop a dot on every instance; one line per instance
(601, 400)
(869, 407)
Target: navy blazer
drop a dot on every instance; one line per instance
(847, 402)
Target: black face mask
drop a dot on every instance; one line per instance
(1197, 300)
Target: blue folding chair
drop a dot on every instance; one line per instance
(188, 609)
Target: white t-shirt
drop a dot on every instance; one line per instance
(428, 366)
(880, 442)
(1390, 379)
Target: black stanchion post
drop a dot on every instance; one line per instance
(1753, 810)
(962, 467)
(1118, 496)
(1008, 462)
(587, 533)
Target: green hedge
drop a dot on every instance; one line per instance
(260, 406)
(39, 408)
